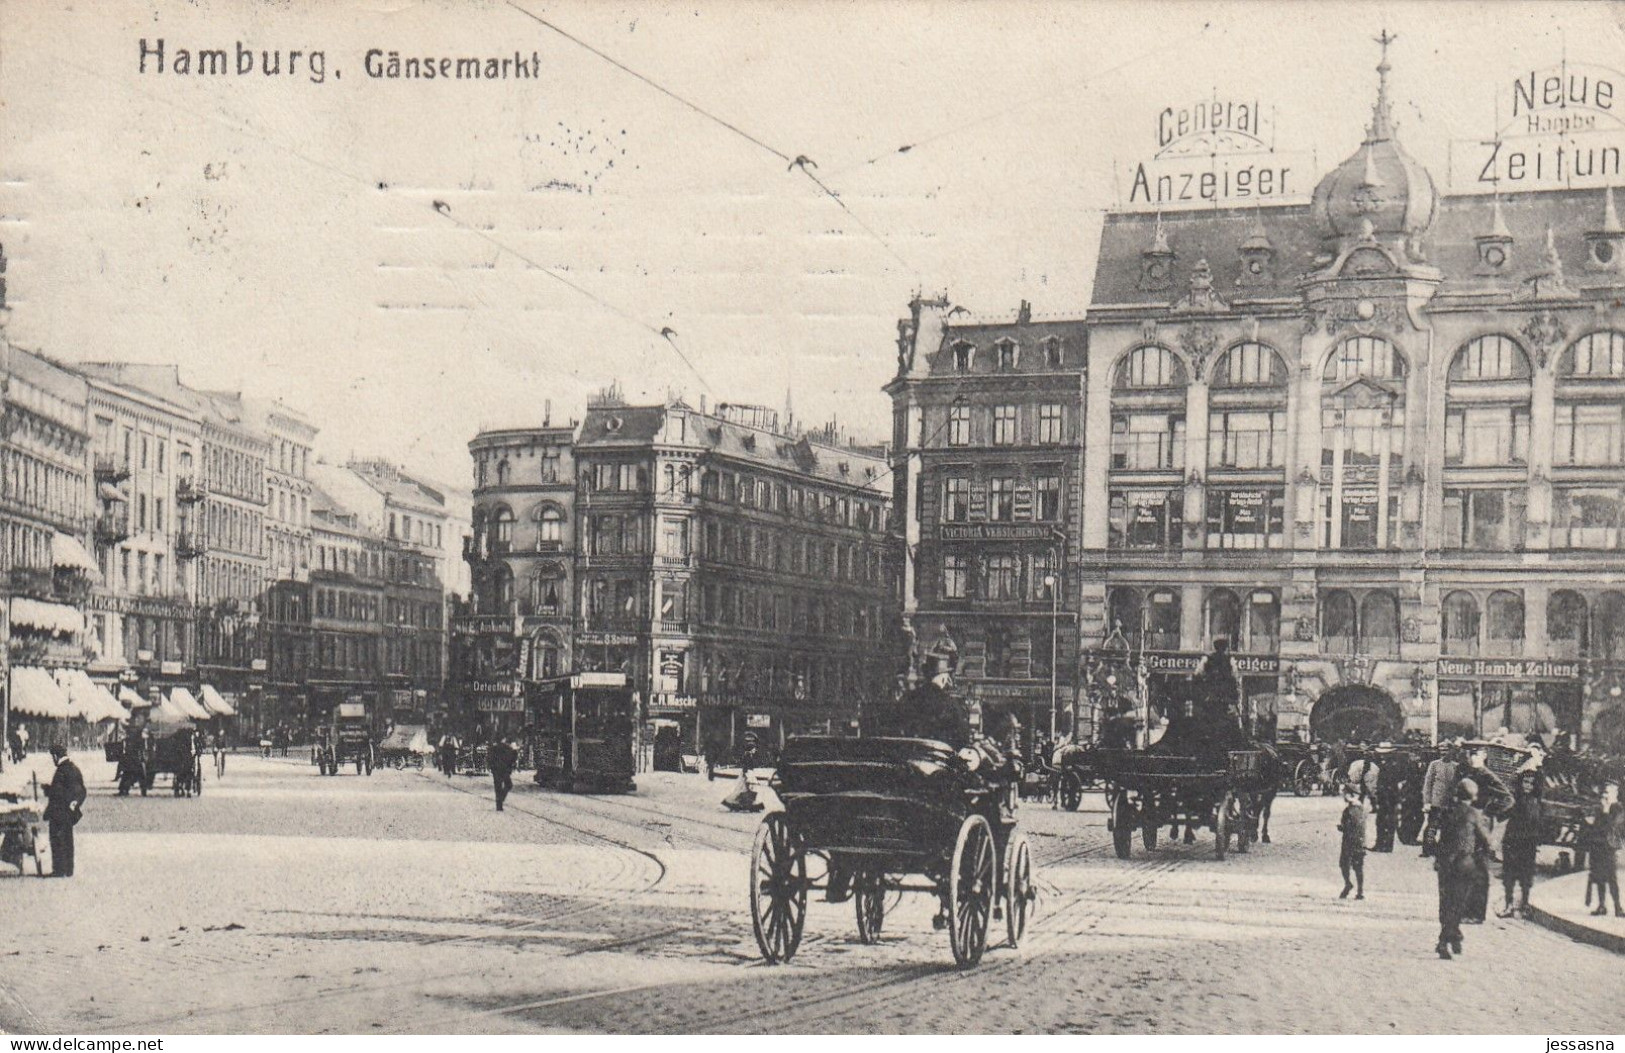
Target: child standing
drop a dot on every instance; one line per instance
(1351, 860)
(1600, 840)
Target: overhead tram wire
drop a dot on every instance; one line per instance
(246, 128)
(800, 161)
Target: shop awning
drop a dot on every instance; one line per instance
(67, 552)
(56, 618)
(34, 692)
(215, 703)
(109, 704)
(109, 492)
(183, 701)
(129, 698)
(167, 714)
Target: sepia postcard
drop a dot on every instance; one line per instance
(923, 517)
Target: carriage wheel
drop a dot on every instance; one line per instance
(778, 889)
(971, 884)
(869, 901)
(1071, 791)
(1303, 778)
(1123, 823)
(1019, 893)
(1224, 824)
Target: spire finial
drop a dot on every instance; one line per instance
(1381, 117)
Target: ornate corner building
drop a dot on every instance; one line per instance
(1376, 441)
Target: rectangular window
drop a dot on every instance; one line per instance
(1051, 423)
(1148, 442)
(1146, 519)
(1001, 499)
(1486, 520)
(1359, 518)
(1587, 518)
(1246, 519)
(1047, 497)
(1487, 435)
(141, 512)
(955, 577)
(1043, 566)
(1004, 425)
(959, 425)
(145, 445)
(163, 452)
(1589, 434)
(1253, 439)
(1003, 573)
(956, 499)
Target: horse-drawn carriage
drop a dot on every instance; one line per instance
(1064, 776)
(1572, 785)
(346, 740)
(891, 815)
(158, 747)
(1204, 771)
(406, 745)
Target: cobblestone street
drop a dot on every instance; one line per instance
(281, 901)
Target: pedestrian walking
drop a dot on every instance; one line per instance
(64, 802)
(1390, 785)
(1493, 801)
(501, 758)
(1600, 838)
(21, 735)
(1519, 843)
(1351, 860)
(1437, 783)
(1463, 847)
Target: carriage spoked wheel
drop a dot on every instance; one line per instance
(1123, 822)
(1304, 778)
(778, 888)
(972, 881)
(1071, 791)
(869, 901)
(1019, 894)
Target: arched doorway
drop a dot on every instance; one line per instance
(1356, 713)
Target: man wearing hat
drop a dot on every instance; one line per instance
(1463, 848)
(64, 797)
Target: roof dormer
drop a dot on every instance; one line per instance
(1605, 247)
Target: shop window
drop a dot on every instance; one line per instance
(1567, 628)
(1162, 619)
(1586, 518)
(1493, 520)
(1338, 615)
(1246, 519)
(1503, 623)
(1146, 519)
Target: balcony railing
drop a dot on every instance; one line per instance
(112, 527)
(110, 469)
(189, 545)
(189, 491)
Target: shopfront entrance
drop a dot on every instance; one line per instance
(1479, 697)
(1356, 713)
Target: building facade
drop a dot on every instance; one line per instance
(987, 439)
(1375, 441)
(521, 558)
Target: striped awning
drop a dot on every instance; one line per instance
(56, 618)
(66, 551)
(213, 701)
(34, 692)
(128, 697)
(182, 700)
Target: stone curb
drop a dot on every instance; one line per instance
(1576, 931)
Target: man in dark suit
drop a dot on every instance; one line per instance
(64, 796)
(501, 758)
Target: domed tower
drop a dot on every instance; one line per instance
(1380, 193)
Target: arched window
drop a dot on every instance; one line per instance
(502, 472)
(549, 526)
(1600, 354)
(1263, 622)
(1365, 356)
(1162, 619)
(1503, 623)
(1337, 622)
(1379, 623)
(1608, 627)
(501, 527)
(1458, 624)
(1567, 631)
(501, 590)
(1249, 365)
(1123, 610)
(546, 591)
(1224, 618)
(1493, 357)
(1150, 367)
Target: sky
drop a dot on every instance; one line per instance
(410, 261)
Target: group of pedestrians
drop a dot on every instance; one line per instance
(1462, 801)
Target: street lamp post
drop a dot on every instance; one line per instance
(1054, 646)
